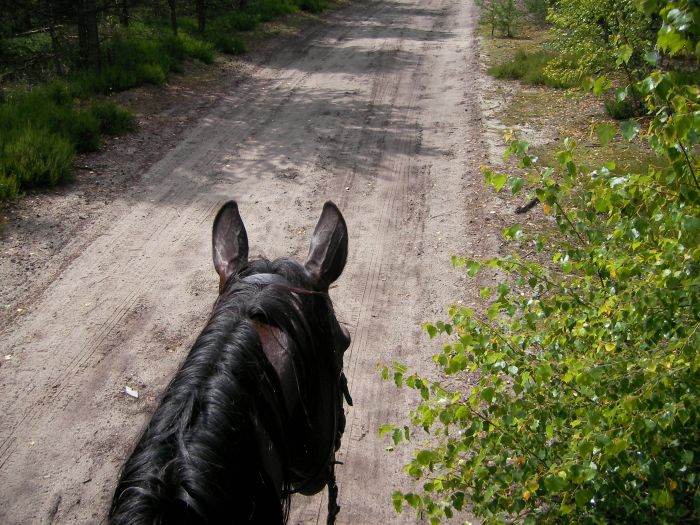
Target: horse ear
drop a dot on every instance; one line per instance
(229, 242)
(329, 247)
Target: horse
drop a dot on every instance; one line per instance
(255, 413)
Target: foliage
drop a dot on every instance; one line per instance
(608, 35)
(538, 9)
(501, 15)
(313, 6)
(530, 68)
(42, 129)
(33, 157)
(586, 407)
(112, 118)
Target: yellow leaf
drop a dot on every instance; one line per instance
(547, 209)
(672, 485)
(526, 495)
(610, 347)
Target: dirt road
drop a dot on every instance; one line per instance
(376, 109)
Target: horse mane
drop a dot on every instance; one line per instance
(198, 461)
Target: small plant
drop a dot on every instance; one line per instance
(34, 157)
(538, 10)
(500, 15)
(313, 6)
(196, 48)
(530, 68)
(230, 45)
(112, 119)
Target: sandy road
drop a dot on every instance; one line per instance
(377, 110)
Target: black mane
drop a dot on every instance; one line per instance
(199, 459)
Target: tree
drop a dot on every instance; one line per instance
(587, 403)
(88, 34)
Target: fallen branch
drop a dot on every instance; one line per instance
(527, 207)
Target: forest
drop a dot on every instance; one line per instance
(59, 61)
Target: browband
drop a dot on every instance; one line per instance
(266, 278)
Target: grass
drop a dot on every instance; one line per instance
(529, 67)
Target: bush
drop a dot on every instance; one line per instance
(34, 157)
(41, 130)
(268, 10)
(237, 21)
(199, 49)
(229, 44)
(9, 187)
(313, 6)
(501, 15)
(530, 68)
(623, 108)
(537, 9)
(113, 119)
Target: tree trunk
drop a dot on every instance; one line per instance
(124, 13)
(173, 16)
(88, 36)
(54, 40)
(201, 15)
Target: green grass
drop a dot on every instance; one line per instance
(112, 119)
(528, 67)
(33, 157)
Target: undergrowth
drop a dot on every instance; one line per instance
(530, 68)
(42, 129)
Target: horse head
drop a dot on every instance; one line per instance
(255, 412)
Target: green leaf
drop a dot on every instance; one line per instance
(513, 233)
(397, 500)
(629, 129)
(498, 180)
(515, 184)
(605, 133)
(473, 267)
(412, 499)
(624, 53)
(600, 85)
(554, 484)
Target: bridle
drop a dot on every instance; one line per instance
(339, 391)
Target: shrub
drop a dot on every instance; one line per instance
(196, 48)
(229, 44)
(313, 6)
(620, 106)
(530, 68)
(237, 21)
(9, 187)
(501, 15)
(268, 10)
(41, 130)
(537, 9)
(34, 157)
(112, 118)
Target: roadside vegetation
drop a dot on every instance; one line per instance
(586, 405)
(60, 61)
